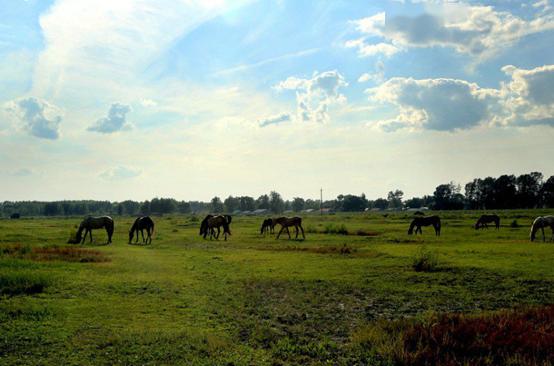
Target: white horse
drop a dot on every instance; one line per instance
(540, 223)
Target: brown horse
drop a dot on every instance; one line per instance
(211, 222)
(418, 222)
(287, 222)
(539, 224)
(141, 224)
(90, 223)
(268, 227)
(487, 219)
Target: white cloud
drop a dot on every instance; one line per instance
(119, 173)
(366, 50)
(477, 30)
(98, 52)
(37, 116)
(378, 76)
(436, 104)
(529, 96)
(314, 96)
(273, 120)
(115, 121)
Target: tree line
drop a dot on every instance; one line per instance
(505, 192)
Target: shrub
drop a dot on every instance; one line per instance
(514, 224)
(22, 283)
(335, 229)
(425, 260)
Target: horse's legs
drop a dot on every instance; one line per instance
(280, 231)
(543, 236)
(301, 228)
(296, 229)
(288, 232)
(90, 234)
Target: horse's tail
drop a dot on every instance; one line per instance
(411, 229)
(228, 218)
(153, 226)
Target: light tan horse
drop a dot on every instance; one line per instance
(540, 223)
(287, 222)
(90, 223)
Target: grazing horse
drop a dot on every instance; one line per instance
(487, 219)
(540, 223)
(418, 222)
(267, 227)
(211, 222)
(287, 222)
(141, 224)
(90, 223)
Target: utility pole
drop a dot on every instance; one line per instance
(321, 201)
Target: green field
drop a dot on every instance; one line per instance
(253, 300)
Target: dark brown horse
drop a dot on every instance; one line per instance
(487, 219)
(418, 222)
(211, 222)
(267, 227)
(141, 224)
(91, 223)
(287, 222)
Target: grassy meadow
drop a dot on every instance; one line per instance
(348, 294)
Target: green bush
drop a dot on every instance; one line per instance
(425, 260)
(22, 283)
(335, 229)
(514, 224)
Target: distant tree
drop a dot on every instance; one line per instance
(529, 190)
(276, 203)
(547, 193)
(505, 192)
(120, 209)
(145, 208)
(394, 199)
(216, 206)
(298, 204)
(263, 202)
(247, 203)
(130, 207)
(381, 203)
(231, 204)
(352, 202)
(415, 202)
(52, 209)
(448, 197)
(183, 207)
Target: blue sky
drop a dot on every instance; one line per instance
(137, 99)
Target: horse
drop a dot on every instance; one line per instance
(418, 222)
(90, 223)
(540, 223)
(140, 224)
(486, 219)
(267, 227)
(286, 222)
(211, 222)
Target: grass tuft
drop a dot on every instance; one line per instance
(425, 260)
(22, 283)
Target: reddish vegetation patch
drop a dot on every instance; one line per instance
(69, 254)
(361, 232)
(54, 253)
(518, 337)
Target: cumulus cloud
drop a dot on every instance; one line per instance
(477, 30)
(37, 116)
(115, 121)
(314, 96)
(283, 117)
(120, 173)
(378, 76)
(529, 96)
(436, 104)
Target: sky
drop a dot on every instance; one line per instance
(135, 99)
